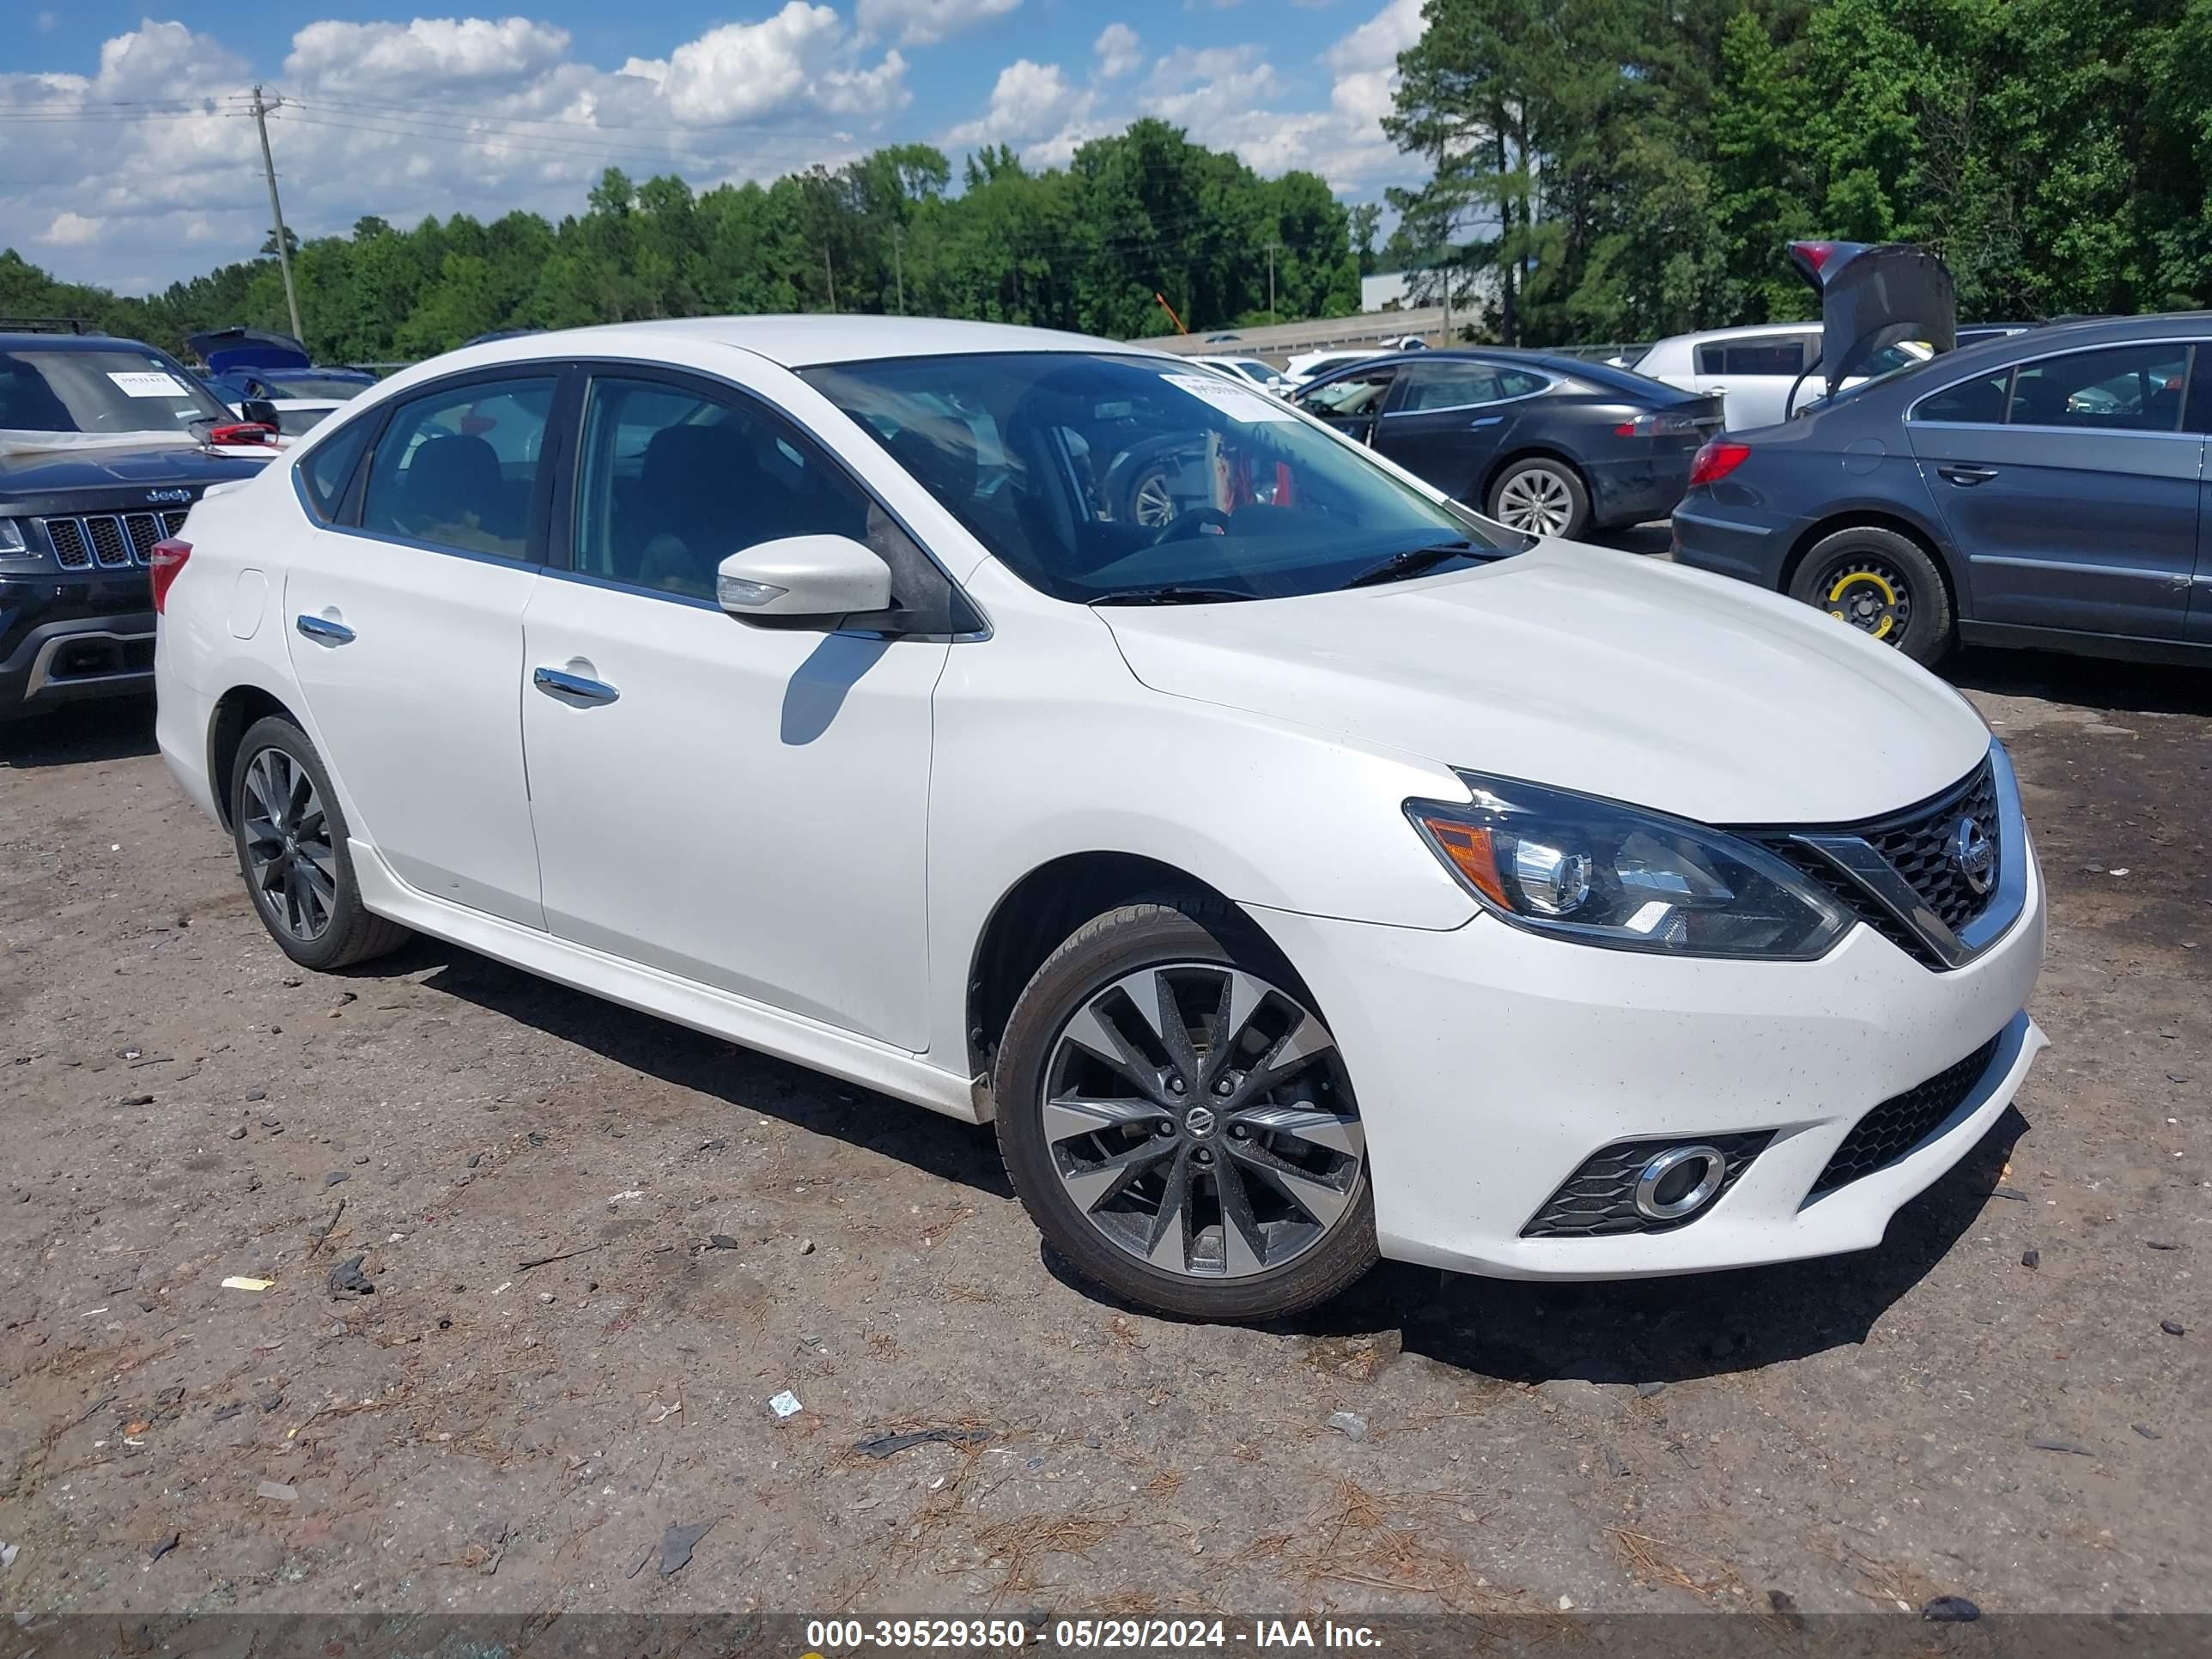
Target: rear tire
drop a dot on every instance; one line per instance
(290, 834)
(1265, 1136)
(1540, 496)
(1882, 583)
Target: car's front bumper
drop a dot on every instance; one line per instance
(1491, 1063)
(61, 641)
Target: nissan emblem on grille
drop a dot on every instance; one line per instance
(1973, 855)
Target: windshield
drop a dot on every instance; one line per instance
(117, 391)
(1103, 477)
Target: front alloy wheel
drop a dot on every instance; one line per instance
(1199, 1119)
(1178, 1120)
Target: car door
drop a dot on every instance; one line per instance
(2072, 490)
(1446, 419)
(2199, 419)
(743, 807)
(1752, 377)
(1352, 401)
(406, 635)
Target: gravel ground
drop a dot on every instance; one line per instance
(474, 1433)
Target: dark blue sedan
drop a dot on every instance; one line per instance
(2046, 488)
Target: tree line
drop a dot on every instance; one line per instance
(1619, 169)
(1086, 246)
(1597, 170)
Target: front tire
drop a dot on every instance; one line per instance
(1178, 1122)
(1882, 583)
(1540, 496)
(291, 838)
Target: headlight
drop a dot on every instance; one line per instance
(1581, 868)
(11, 538)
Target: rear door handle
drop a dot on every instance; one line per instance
(323, 631)
(558, 683)
(1965, 477)
(1488, 419)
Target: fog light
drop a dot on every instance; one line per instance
(1678, 1182)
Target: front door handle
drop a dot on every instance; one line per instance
(1967, 476)
(558, 683)
(323, 631)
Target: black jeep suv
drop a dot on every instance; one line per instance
(105, 444)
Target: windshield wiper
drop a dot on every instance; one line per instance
(1173, 593)
(1413, 561)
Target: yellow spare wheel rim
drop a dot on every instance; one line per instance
(1871, 596)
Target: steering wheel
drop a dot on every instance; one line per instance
(1184, 526)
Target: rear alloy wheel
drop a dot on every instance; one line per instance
(291, 838)
(1179, 1121)
(1540, 498)
(1882, 583)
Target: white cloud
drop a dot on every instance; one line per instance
(918, 22)
(1117, 50)
(1376, 44)
(397, 58)
(47, 20)
(71, 230)
(1029, 102)
(403, 119)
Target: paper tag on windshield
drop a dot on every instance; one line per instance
(1234, 401)
(150, 383)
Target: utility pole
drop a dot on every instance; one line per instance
(1273, 248)
(898, 269)
(831, 275)
(261, 108)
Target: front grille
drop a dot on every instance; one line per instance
(1600, 1198)
(1903, 1121)
(1917, 844)
(111, 541)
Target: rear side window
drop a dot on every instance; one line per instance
(1783, 356)
(328, 467)
(1979, 403)
(2135, 388)
(458, 468)
(1456, 385)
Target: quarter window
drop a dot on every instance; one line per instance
(328, 468)
(674, 480)
(2135, 388)
(458, 468)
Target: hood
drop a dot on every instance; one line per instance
(1586, 670)
(224, 350)
(157, 465)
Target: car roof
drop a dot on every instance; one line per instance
(71, 343)
(793, 341)
(1742, 331)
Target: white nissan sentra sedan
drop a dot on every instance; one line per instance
(1328, 873)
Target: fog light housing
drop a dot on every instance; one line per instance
(1647, 1186)
(1680, 1181)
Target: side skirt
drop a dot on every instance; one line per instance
(895, 1071)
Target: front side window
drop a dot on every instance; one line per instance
(458, 468)
(120, 391)
(2136, 388)
(674, 479)
(1120, 479)
(1353, 395)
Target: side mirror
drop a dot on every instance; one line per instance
(260, 411)
(806, 581)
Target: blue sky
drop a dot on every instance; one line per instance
(125, 158)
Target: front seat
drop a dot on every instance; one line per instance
(703, 493)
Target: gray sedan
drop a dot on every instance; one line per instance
(2040, 489)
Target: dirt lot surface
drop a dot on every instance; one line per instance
(182, 1107)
